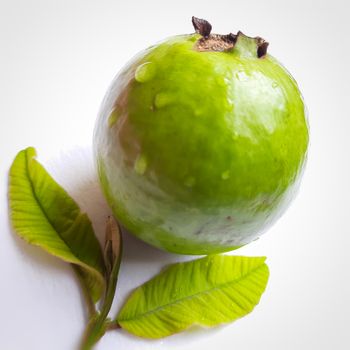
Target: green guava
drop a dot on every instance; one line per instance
(201, 142)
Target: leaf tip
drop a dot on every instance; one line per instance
(30, 152)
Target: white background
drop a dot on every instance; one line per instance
(57, 59)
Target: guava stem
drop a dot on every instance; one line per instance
(112, 325)
(219, 42)
(262, 49)
(201, 26)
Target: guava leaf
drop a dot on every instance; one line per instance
(43, 214)
(207, 292)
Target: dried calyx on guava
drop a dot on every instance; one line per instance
(201, 141)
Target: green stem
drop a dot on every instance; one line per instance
(111, 325)
(98, 325)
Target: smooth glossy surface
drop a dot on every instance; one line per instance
(199, 152)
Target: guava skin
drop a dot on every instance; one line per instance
(200, 152)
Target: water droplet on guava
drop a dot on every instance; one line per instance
(225, 175)
(144, 72)
(141, 164)
(114, 116)
(162, 99)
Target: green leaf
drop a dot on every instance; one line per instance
(43, 214)
(209, 291)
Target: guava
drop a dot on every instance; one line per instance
(201, 141)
